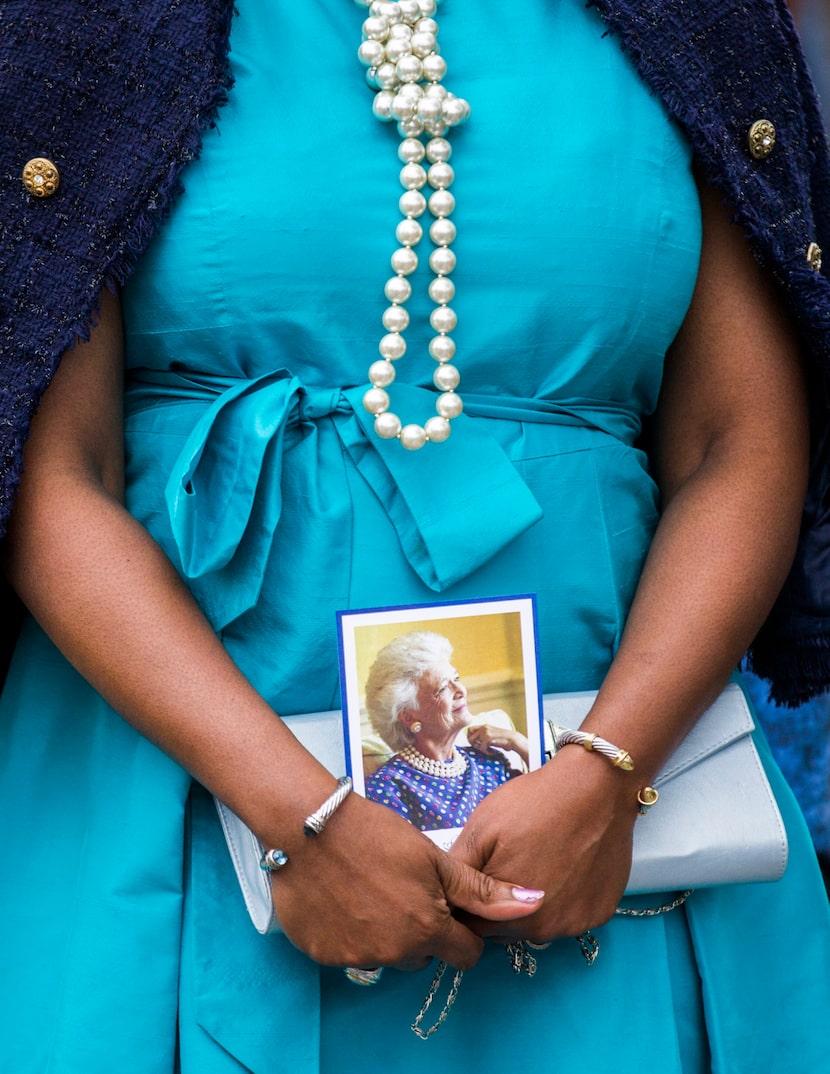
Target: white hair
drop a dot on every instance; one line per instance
(392, 685)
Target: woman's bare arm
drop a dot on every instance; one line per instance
(732, 437)
(111, 601)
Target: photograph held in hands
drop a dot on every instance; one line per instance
(441, 705)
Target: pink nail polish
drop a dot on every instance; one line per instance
(527, 895)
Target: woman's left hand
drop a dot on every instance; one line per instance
(566, 829)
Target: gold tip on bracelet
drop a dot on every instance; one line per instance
(623, 761)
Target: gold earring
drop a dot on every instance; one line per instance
(415, 727)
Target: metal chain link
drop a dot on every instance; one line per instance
(653, 911)
(433, 988)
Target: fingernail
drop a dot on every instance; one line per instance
(527, 895)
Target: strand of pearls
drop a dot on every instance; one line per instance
(415, 759)
(400, 51)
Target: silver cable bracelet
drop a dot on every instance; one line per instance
(564, 736)
(315, 822)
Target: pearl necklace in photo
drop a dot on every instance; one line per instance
(401, 54)
(415, 759)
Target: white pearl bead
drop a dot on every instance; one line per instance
(449, 405)
(403, 107)
(441, 290)
(429, 109)
(412, 203)
(410, 128)
(386, 76)
(454, 111)
(413, 437)
(371, 53)
(442, 231)
(389, 10)
(422, 43)
(438, 149)
(401, 31)
(399, 289)
(427, 25)
(376, 28)
(392, 346)
(412, 90)
(440, 175)
(436, 90)
(396, 48)
(395, 319)
(445, 378)
(412, 176)
(434, 67)
(410, 10)
(442, 261)
(409, 232)
(382, 104)
(437, 127)
(441, 203)
(443, 319)
(381, 374)
(412, 150)
(371, 80)
(376, 400)
(387, 425)
(442, 348)
(404, 261)
(437, 429)
(410, 68)
(427, 6)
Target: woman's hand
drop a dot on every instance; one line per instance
(566, 829)
(372, 890)
(483, 737)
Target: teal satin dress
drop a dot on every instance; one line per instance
(250, 326)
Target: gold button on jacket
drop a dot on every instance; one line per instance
(40, 177)
(761, 138)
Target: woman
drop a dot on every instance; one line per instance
(587, 261)
(418, 705)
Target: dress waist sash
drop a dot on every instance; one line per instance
(223, 492)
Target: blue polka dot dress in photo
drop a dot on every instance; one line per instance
(435, 802)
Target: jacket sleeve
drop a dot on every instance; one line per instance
(114, 96)
(724, 69)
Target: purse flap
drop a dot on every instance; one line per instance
(723, 723)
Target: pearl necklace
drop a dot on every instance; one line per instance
(401, 54)
(415, 759)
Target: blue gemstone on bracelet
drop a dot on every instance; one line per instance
(272, 860)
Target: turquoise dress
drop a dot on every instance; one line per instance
(250, 326)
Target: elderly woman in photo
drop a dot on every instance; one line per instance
(418, 705)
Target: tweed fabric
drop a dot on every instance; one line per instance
(117, 94)
(718, 67)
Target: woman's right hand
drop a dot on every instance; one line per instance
(484, 736)
(372, 890)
